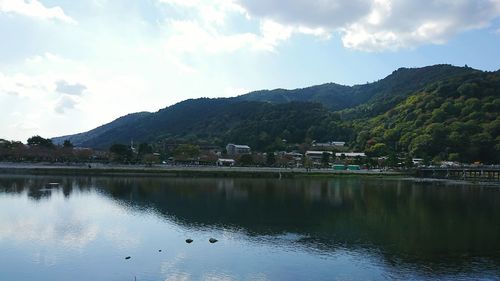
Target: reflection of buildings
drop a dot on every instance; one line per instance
(228, 188)
(316, 156)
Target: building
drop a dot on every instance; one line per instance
(316, 156)
(350, 154)
(329, 145)
(237, 149)
(225, 162)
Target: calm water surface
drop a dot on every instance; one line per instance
(302, 229)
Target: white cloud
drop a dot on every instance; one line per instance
(310, 13)
(24, 85)
(35, 9)
(432, 23)
(377, 25)
(211, 12)
(64, 87)
(204, 33)
(64, 103)
(44, 90)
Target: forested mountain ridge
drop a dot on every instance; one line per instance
(437, 111)
(332, 96)
(456, 119)
(367, 99)
(218, 121)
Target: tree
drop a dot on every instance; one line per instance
(246, 160)
(121, 152)
(392, 160)
(408, 161)
(378, 149)
(67, 144)
(150, 159)
(325, 159)
(421, 145)
(271, 159)
(40, 142)
(185, 152)
(145, 148)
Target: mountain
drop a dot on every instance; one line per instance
(367, 99)
(392, 114)
(456, 119)
(214, 121)
(332, 96)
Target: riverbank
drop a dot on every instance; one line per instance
(178, 171)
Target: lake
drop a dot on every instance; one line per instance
(345, 228)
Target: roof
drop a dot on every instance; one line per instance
(240, 146)
(317, 152)
(350, 154)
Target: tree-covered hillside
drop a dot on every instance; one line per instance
(331, 95)
(442, 112)
(456, 119)
(219, 121)
(368, 99)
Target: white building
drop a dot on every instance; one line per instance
(331, 144)
(316, 155)
(237, 149)
(225, 162)
(350, 154)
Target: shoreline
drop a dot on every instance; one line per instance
(180, 171)
(7, 168)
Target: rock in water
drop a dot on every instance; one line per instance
(159, 251)
(189, 241)
(127, 258)
(212, 240)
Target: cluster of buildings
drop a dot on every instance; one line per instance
(311, 158)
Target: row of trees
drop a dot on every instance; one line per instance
(39, 149)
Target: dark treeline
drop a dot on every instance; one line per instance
(39, 149)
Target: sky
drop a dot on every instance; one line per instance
(68, 66)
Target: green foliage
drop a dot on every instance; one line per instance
(121, 153)
(67, 144)
(246, 160)
(144, 148)
(376, 150)
(458, 120)
(37, 141)
(186, 152)
(270, 159)
(325, 160)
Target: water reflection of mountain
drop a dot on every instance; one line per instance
(433, 226)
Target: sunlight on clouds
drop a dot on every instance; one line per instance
(35, 9)
(211, 12)
(379, 25)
